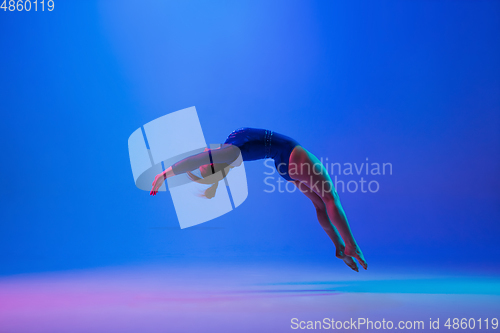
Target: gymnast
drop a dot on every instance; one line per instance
(293, 162)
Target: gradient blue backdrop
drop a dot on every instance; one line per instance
(412, 83)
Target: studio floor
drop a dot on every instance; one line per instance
(245, 298)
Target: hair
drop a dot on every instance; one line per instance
(209, 192)
(207, 172)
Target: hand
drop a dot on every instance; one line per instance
(157, 183)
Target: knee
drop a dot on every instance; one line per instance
(319, 209)
(319, 206)
(330, 197)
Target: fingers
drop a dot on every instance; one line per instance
(154, 190)
(157, 183)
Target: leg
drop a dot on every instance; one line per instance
(307, 168)
(325, 223)
(322, 216)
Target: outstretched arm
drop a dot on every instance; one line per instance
(225, 154)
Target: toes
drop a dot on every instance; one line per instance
(351, 263)
(354, 267)
(362, 261)
(359, 256)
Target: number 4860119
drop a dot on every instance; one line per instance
(27, 5)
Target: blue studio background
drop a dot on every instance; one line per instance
(411, 83)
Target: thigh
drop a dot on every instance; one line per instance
(315, 199)
(308, 169)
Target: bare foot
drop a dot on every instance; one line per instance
(355, 252)
(351, 263)
(340, 253)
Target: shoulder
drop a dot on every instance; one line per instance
(230, 150)
(238, 137)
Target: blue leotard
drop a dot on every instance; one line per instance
(254, 144)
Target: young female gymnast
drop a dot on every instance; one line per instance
(293, 162)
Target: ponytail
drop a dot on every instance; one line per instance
(209, 192)
(212, 181)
